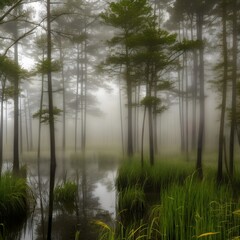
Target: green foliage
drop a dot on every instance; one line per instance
(47, 66)
(195, 210)
(150, 101)
(65, 196)
(44, 114)
(14, 193)
(165, 85)
(128, 15)
(131, 204)
(153, 179)
(6, 3)
(10, 69)
(186, 209)
(189, 45)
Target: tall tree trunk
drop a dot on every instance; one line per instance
(202, 98)
(187, 127)
(30, 122)
(63, 99)
(121, 115)
(194, 100)
(129, 106)
(84, 128)
(77, 96)
(151, 145)
(1, 127)
(155, 126)
(26, 123)
(51, 124)
(234, 90)
(16, 111)
(224, 92)
(38, 159)
(142, 137)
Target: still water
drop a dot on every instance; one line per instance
(94, 174)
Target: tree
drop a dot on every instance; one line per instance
(224, 89)
(234, 85)
(155, 52)
(128, 17)
(8, 72)
(51, 121)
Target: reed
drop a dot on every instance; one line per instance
(152, 179)
(65, 196)
(131, 205)
(196, 210)
(14, 194)
(187, 208)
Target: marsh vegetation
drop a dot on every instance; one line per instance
(119, 120)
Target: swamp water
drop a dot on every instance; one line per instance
(94, 176)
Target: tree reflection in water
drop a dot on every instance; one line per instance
(88, 173)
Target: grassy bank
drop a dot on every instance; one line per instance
(14, 201)
(168, 202)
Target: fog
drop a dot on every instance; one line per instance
(87, 86)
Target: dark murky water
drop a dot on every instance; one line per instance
(95, 175)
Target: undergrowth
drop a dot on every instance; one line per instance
(187, 208)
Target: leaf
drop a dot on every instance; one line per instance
(102, 224)
(207, 234)
(237, 212)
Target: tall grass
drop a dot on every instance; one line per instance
(131, 205)
(14, 194)
(196, 210)
(152, 179)
(65, 196)
(187, 208)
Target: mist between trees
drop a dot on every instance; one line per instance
(138, 77)
(168, 68)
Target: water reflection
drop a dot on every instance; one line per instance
(94, 175)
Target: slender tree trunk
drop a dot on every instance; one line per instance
(30, 123)
(202, 99)
(151, 145)
(63, 98)
(121, 115)
(150, 117)
(224, 92)
(234, 90)
(142, 138)
(1, 128)
(6, 122)
(194, 100)
(38, 160)
(77, 96)
(26, 123)
(16, 112)
(155, 126)
(187, 127)
(51, 124)
(21, 126)
(84, 140)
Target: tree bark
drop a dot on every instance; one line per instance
(1, 127)
(202, 98)
(16, 112)
(234, 90)
(51, 124)
(224, 93)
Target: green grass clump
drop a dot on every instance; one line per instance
(65, 196)
(196, 210)
(14, 193)
(153, 179)
(131, 204)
